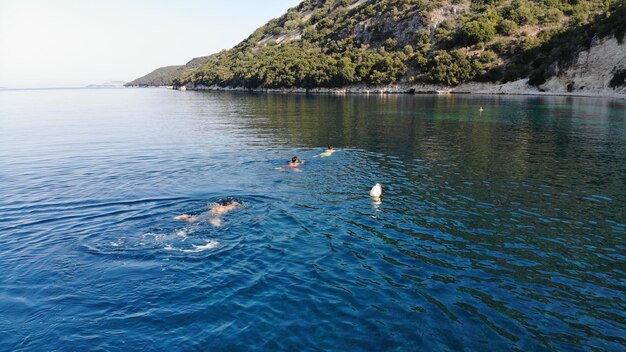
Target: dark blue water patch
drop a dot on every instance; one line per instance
(496, 231)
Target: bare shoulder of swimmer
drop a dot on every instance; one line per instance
(220, 209)
(225, 207)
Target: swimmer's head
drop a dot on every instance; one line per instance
(294, 159)
(330, 147)
(228, 202)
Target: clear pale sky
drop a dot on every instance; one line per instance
(73, 43)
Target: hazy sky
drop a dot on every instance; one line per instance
(71, 43)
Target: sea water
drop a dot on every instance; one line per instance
(498, 230)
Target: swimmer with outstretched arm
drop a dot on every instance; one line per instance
(215, 213)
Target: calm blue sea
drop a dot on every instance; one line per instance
(498, 231)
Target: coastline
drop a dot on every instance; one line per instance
(593, 74)
(519, 87)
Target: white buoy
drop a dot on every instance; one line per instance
(376, 191)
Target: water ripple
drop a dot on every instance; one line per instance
(500, 231)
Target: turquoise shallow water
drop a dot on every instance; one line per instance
(501, 230)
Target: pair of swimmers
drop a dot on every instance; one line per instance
(295, 161)
(225, 206)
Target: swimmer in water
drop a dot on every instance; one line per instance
(218, 210)
(295, 162)
(215, 212)
(225, 207)
(329, 151)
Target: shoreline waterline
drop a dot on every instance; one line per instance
(465, 89)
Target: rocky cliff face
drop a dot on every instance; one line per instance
(593, 71)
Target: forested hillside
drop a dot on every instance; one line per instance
(336, 43)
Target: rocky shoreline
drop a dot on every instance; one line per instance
(520, 87)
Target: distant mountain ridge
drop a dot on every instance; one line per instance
(165, 76)
(410, 43)
(110, 84)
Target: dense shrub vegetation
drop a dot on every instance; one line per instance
(334, 43)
